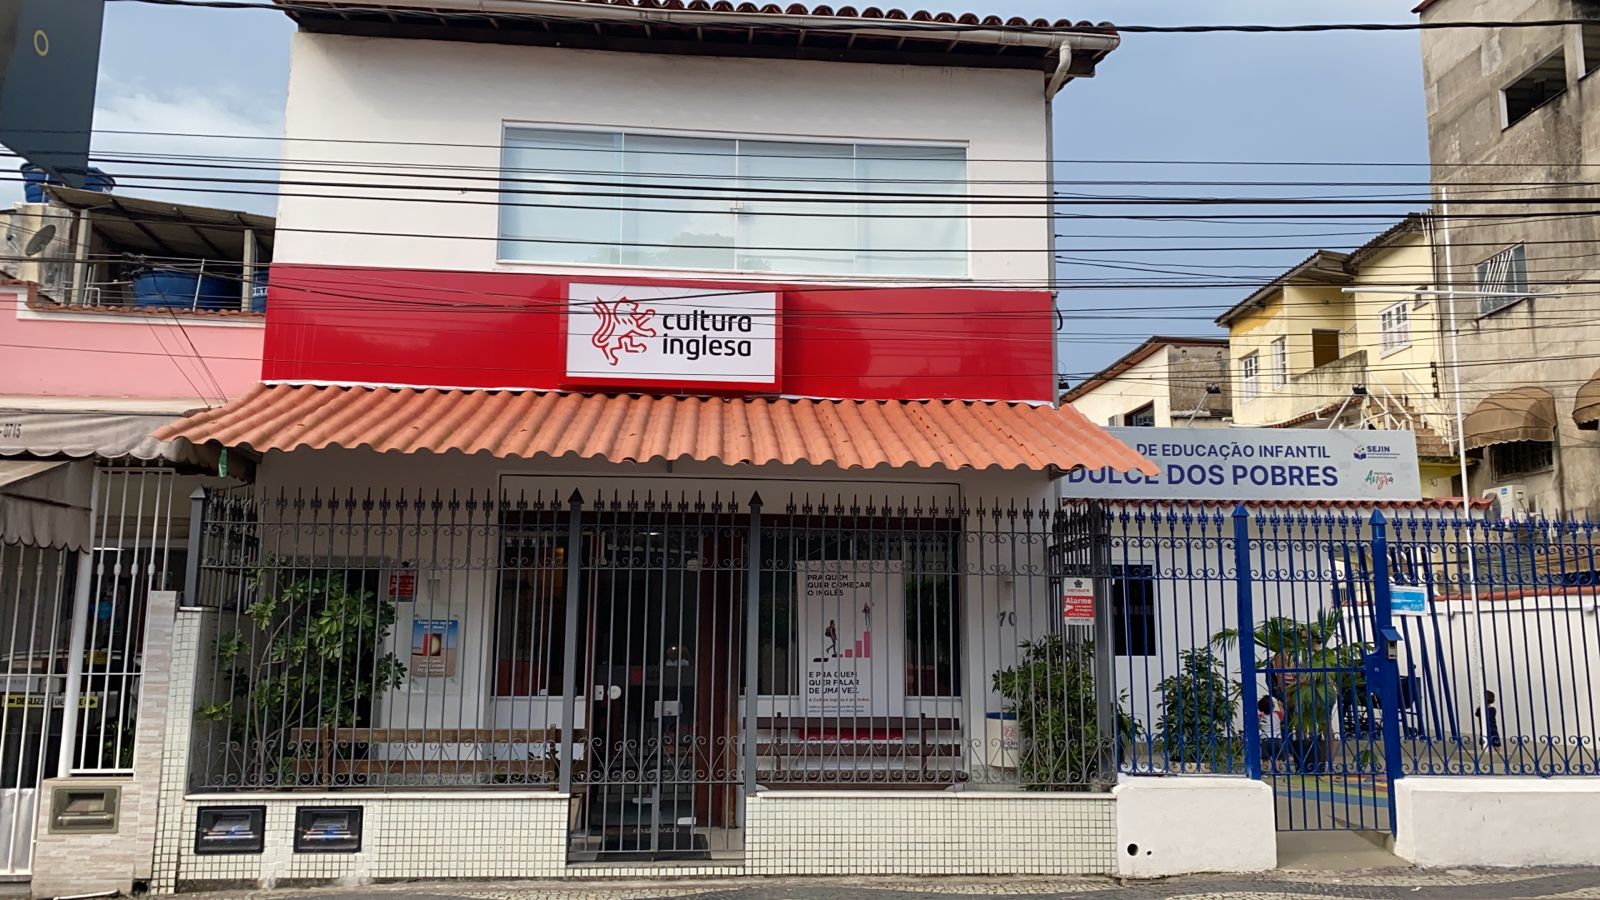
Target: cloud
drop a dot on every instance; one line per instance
(174, 144)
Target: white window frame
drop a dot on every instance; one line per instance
(1249, 376)
(1493, 276)
(509, 126)
(1394, 327)
(1280, 361)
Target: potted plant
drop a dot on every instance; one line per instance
(313, 663)
(1198, 706)
(1051, 692)
(1308, 668)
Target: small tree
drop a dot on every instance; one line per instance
(1051, 692)
(314, 662)
(1198, 706)
(1310, 668)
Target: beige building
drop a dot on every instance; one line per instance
(1514, 115)
(1350, 340)
(1164, 382)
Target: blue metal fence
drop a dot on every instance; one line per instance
(1331, 651)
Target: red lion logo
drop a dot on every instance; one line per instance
(622, 323)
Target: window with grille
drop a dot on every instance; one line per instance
(1521, 458)
(1502, 279)
(1395, 325)
(1249, 376)
(1280, 362)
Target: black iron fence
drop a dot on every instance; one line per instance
(603, 644)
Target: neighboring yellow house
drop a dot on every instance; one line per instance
(1310, 350)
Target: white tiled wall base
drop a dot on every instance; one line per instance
(418, 835)
(481, 835)
(463, 834)
(967, 833)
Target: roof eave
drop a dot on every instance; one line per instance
(1064, 52)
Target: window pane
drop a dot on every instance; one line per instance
(531, 614)
(574, 175)
(922, 239)
(695, 228)
(768, 169)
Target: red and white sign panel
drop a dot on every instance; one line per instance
(1077, 602)
(642, 334)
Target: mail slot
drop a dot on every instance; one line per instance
(231, 829)
(91, 809)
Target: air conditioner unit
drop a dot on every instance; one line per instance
(1508, 502)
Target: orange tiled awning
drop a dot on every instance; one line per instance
(955, 434)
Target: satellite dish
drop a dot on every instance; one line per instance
(40, 240)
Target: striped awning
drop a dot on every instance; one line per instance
(852, 434)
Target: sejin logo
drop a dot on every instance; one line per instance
(651, 334)
(622, 323)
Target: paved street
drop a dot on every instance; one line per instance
(1454, 884)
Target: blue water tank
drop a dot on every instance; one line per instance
(34, 179)
(168, 289)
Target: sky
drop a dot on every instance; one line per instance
(1311, 98)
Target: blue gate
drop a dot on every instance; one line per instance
(1319, 667)
(1259, 642)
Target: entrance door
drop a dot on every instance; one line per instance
(662, 744)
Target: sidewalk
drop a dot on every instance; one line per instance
(1454, 884)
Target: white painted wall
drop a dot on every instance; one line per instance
(1175, 826)
(1539, 655)
(372, 90)
(1144, 382)
(1497, 821)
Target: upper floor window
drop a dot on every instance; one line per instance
(1280, 362)
(1538, 86)
(667, 201)
(1395, 325)
(1143, 417)
(1249, 376)
(1590, 35)
(1502, 279)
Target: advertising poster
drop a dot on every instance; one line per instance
(434, 644)
(852, 636)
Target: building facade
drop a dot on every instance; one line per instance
(676, 419)
(1519, 102)
(1162, 383)
(119, 315)
(1350, 340)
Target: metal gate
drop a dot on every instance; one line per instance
(661, 776)
(1318, 663)
(72, 631)
(35, 622)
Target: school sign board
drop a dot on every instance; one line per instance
(1258, 464)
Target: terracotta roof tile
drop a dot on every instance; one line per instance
(852, 434)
